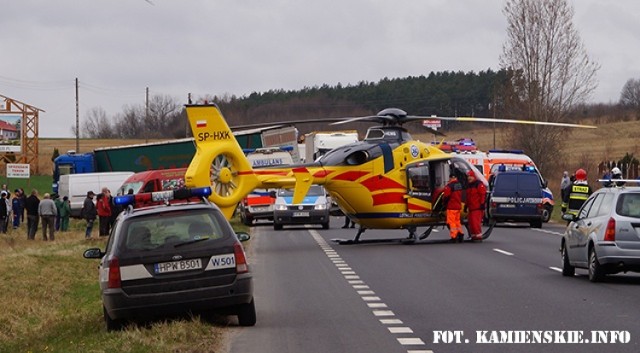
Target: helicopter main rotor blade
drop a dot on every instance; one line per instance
(508, 121)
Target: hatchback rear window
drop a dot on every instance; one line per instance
(629, 205)
(171, 228)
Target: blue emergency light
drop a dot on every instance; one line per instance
(161, 196)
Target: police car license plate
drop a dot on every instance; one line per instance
(508, 205)
(301, 214)
(175, 266)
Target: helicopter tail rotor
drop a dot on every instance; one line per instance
(219, 161)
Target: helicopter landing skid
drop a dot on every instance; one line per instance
(411, 239)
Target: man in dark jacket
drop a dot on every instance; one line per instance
(89, 213)
(33, 218)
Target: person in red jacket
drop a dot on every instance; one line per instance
(103, 205)
(476, 196)
(452, 197)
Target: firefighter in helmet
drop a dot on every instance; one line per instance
(577, 193)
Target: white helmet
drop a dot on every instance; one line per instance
(616, 171)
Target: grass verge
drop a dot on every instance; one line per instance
(51, 303)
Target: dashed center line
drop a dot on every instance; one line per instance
(378, 308)
(503, 252)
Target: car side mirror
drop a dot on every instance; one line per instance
(93, 253)
(243, 236)
(569, 217)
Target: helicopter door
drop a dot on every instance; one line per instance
(425, 181)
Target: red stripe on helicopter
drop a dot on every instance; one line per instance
(387, 198)
(378, 183)
(322, 173)
(350, 176)
(417, 208)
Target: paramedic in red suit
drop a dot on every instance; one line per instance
(476, 196)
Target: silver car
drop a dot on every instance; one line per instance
(604, 237)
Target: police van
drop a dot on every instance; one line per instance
(510, 160)
(314, 208)
(516, 196)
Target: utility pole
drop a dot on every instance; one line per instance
(146, 116)
(77, 119)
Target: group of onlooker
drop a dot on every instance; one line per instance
(51, 211)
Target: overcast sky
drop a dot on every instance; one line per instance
(117, 48)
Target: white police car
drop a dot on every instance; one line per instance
(177, 255)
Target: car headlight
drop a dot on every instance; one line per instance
(280, 207)
(321, 206)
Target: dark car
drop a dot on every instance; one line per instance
(177, 257)
(516, 196)
(604, 237)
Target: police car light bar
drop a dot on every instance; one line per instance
(160, 196)
(614, 181)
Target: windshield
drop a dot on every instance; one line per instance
(314, 190)
(134, 186)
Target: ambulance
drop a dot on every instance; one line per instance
(259, 203)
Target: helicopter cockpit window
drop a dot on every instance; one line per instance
(374, 134)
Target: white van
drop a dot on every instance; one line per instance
(76, 186)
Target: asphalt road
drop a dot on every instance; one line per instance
(313, 295)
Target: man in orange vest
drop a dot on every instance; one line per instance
(452, 197)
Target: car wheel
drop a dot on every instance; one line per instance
(596, 274)
(247, 314)
(277, 226)
(325, 225)
(112, 325)
(247, 221)
(546, 213)
(567, 269)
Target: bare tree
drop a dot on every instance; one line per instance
(160, 121)
(97, 124)
(550, 72)
(630, 95)
(130, 123)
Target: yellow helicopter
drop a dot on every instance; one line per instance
(386, 181)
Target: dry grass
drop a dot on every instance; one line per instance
(51, 303)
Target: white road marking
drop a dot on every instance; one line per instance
(410, 341)
(366, 292)
(383, 313)
(546, 231)
(391, 321)
(556, 269)
(373, 302)
(503, 252)
(400, 330)
(371, 299)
